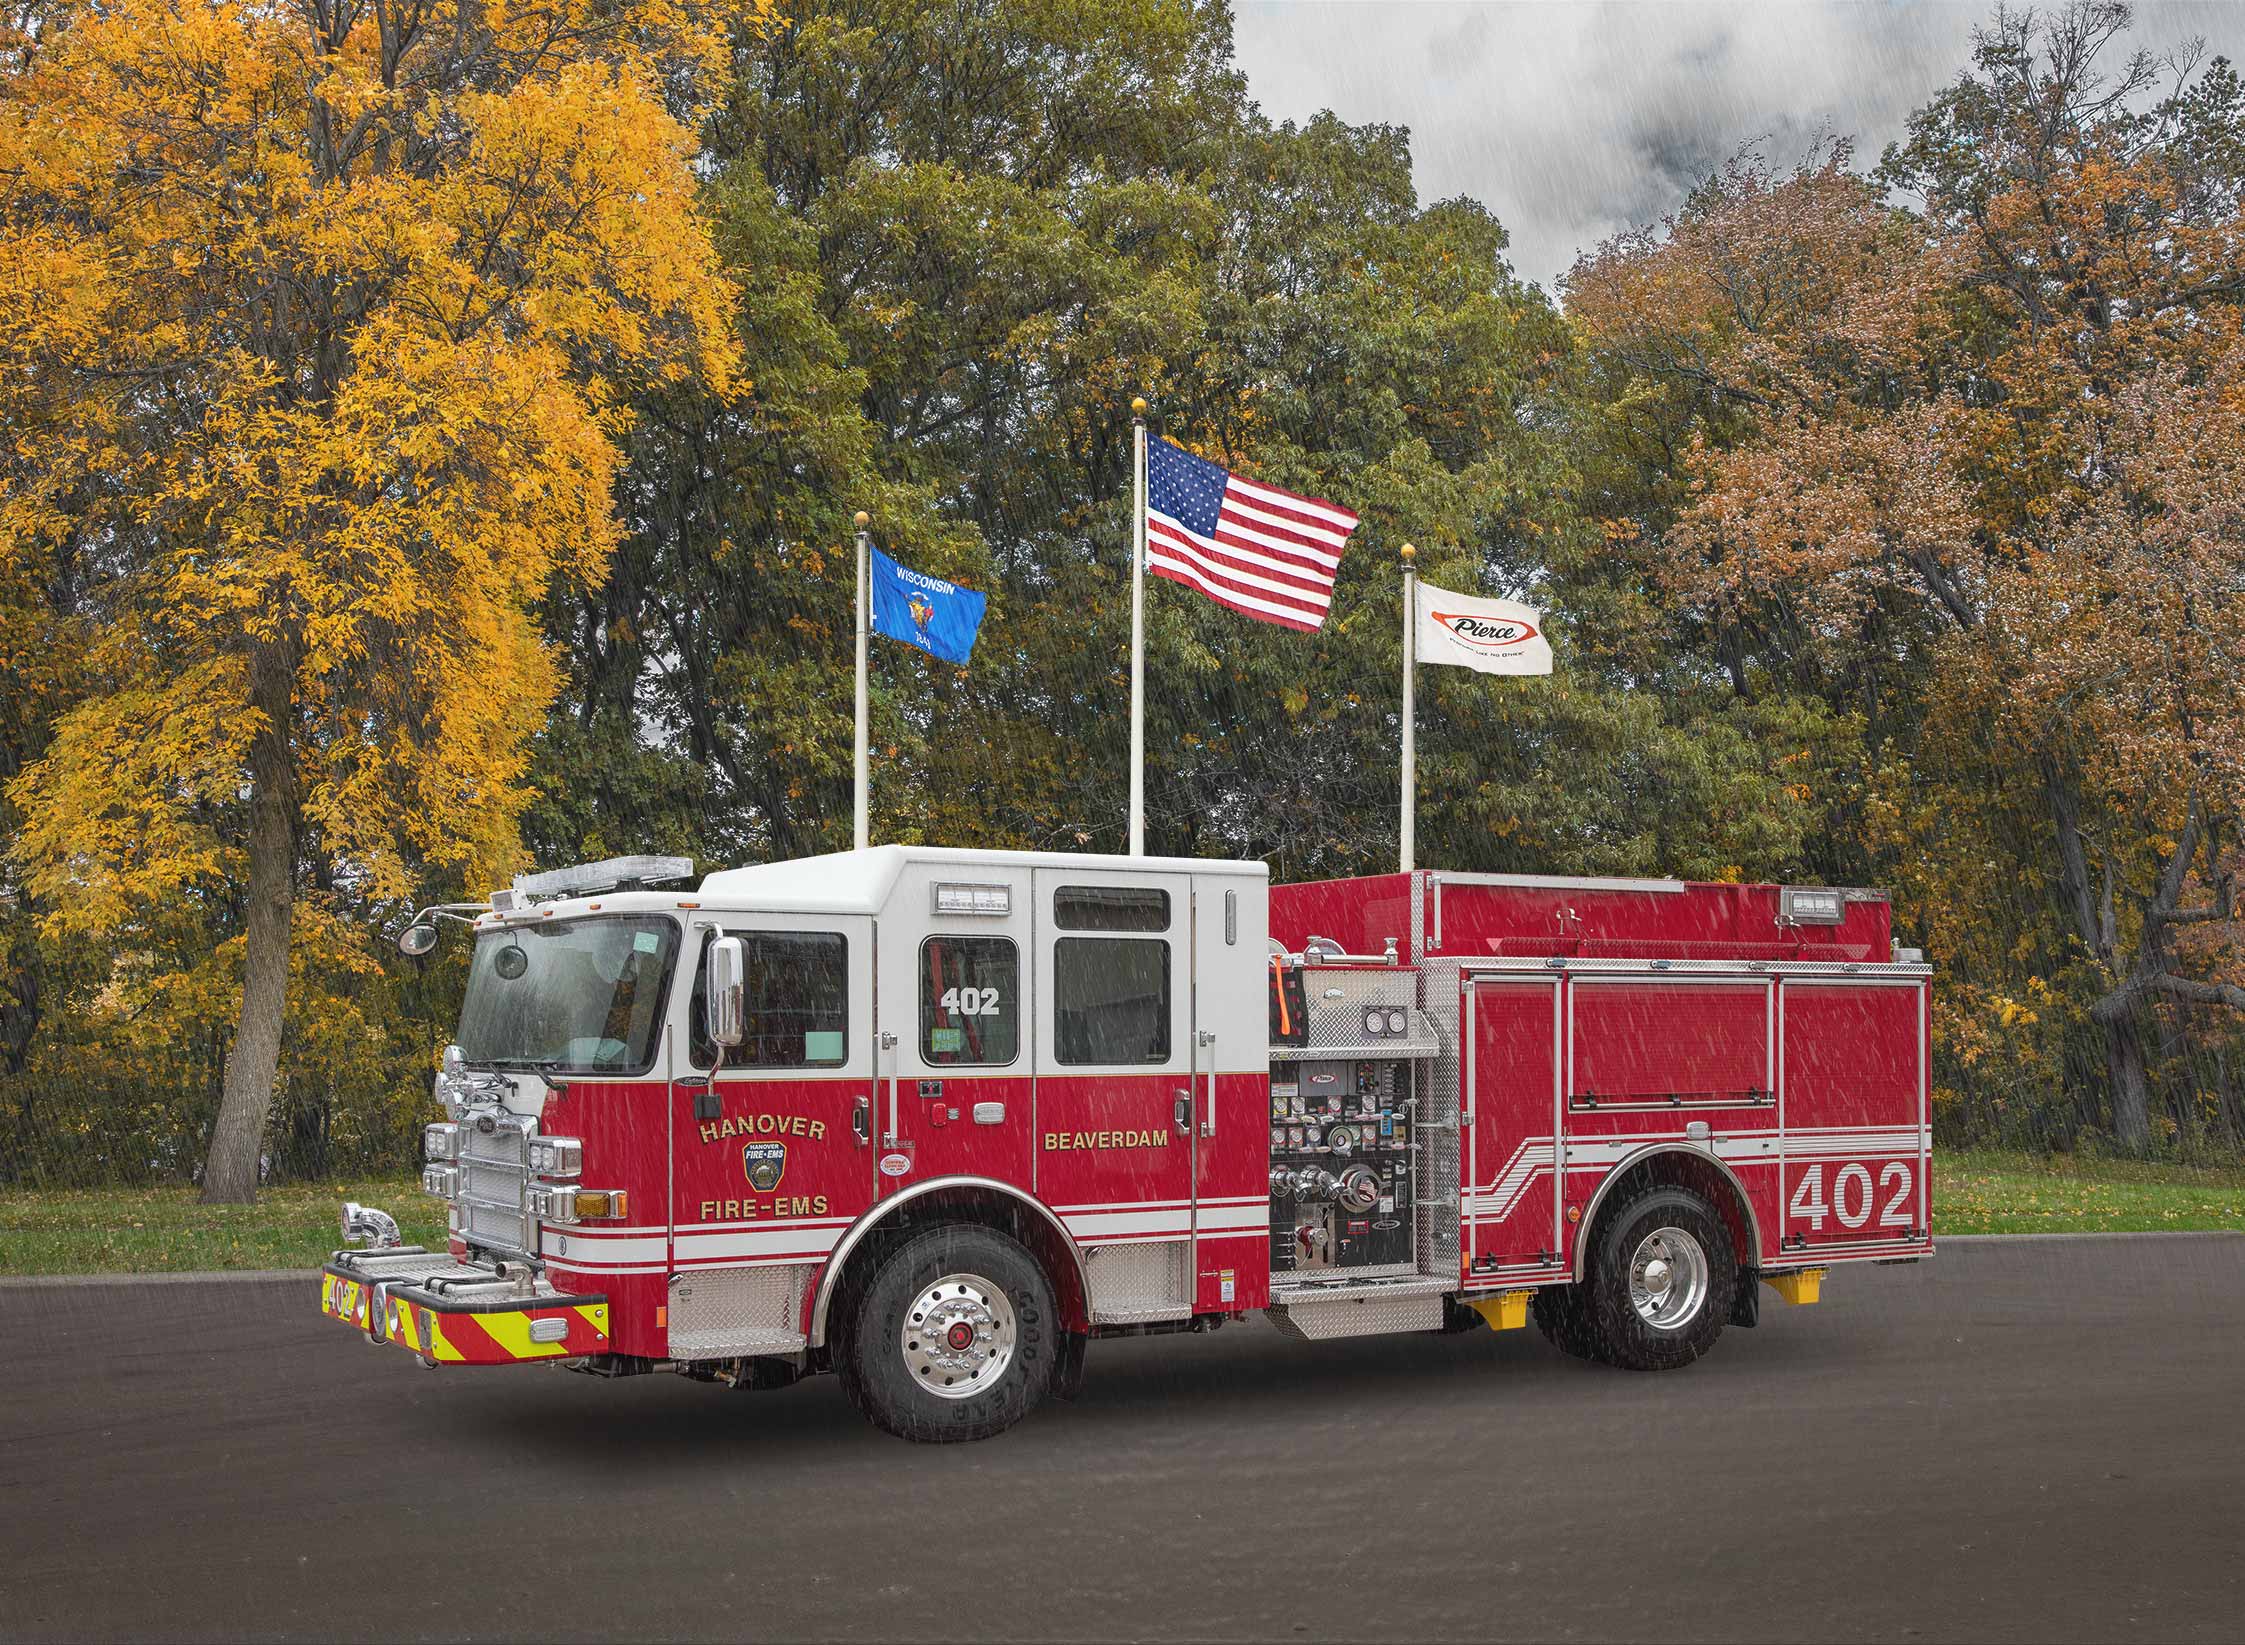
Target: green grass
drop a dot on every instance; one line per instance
(166, 1230)
(1977, 1192)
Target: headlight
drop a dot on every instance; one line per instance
(440, 1181)
(556, 1156)
(440, 1142)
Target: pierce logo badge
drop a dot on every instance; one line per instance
(1485, 634)
(765, 1163)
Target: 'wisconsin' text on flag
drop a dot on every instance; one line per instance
(940, 618)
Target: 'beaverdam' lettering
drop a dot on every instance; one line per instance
(1055, 1140)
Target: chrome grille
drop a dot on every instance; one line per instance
(494, 1172)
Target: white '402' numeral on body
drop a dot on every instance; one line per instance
(1852, 1197)
(971, 1002)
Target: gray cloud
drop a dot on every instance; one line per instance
(1574, 121)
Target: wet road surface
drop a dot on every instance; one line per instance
(2029, 1440)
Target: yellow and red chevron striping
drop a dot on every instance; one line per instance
(448, 1337)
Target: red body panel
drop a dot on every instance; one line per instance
(1232, 1269)
(1151, 1167)
(944, 1139)
(775, 1175)
(1467, 917)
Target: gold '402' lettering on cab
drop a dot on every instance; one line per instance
(1057, 1141)
(749, 1210)
(763, 1125)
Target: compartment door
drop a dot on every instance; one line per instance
(1511, 1158)
(1855, 1133)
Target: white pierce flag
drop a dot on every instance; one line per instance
(1491, 636)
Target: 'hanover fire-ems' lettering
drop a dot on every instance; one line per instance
(1106, 1139)
(764, 1125)
(749, 1210)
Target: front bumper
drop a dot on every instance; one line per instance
(451, 1314)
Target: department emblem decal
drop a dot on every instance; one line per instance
(765, 1163)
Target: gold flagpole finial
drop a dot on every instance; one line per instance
(863, 519)
(1138, 407)
(1408, 552)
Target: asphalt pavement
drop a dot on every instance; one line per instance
(2018, 1440)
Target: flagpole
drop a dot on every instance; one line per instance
(1410, 708)
(862, 833)
(1138, 629)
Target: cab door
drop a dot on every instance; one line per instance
(772, 1149)
(1117, 1105)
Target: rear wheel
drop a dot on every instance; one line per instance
(954, 1337)
(1662, 1280)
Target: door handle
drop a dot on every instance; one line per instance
(1208, 1114)
(861, 1120)
(1181, 1112)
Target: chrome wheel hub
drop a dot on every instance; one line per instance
(1668, 1279)
(958, 1336)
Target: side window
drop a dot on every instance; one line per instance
(1110, 908)
(798, 1002)
(970, 1001)
(1110, 1000)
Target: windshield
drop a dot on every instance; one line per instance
(582, 996)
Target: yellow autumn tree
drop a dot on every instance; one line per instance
(318, 319)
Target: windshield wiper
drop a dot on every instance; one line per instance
(544, 1067)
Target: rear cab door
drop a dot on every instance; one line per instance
(1116, 1105)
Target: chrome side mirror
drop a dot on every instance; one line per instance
(416, 940)
(725, 1001)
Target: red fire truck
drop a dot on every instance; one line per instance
(935, 1120)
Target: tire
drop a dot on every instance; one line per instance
(993, 1360)
(1662, 1281)
(1563, 1317)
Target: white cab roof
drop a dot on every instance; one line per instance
(859, 882)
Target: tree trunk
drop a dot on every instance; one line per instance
(230, 1175)
(2131, 1089)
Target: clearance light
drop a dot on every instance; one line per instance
(995, 900)
(566, 1205)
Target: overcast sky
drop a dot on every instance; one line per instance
(1571, 119)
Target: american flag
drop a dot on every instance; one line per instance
(1264, 552)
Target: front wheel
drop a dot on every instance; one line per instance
(1662, 1280)
(954, 1338)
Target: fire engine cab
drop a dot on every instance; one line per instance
(936, 1119)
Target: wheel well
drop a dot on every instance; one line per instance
(1678, 1168)
(955, 1203)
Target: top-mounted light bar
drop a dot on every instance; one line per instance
(613, 874)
